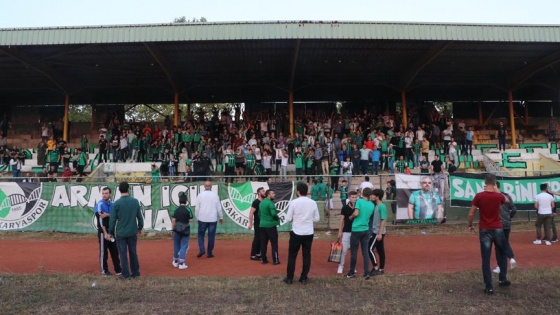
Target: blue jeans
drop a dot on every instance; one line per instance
(128, 245)
(498, 238)
(375, 166)
(202, 227)
(180, 246)
(416, 159)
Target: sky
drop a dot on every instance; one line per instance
(49, 13)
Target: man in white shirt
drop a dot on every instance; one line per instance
(302, 212)
(365, 184)
(544, 203)
(207, 210)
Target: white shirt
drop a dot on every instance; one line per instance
(365, 185)
(208, 207)
(544, 201)
(302, 212)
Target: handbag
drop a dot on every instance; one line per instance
(182, 228)
(335, 252)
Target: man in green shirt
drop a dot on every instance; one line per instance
(363, 211)
(269, 220)
(298, 161)
(378, 232)
(127, 219)
(53, 157)
(82, 162)
(249, 163)
(400, 165)
(229, 161)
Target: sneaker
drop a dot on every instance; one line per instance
(367, 277)
(340, 269)
(537, 242)
(119, 273)
(547, 243)
(512, 263)
(255, 258)
(496, 270)
(376, 272)
(350, 276)
(505, 283)
(488, 291)
(183, 266)
(106, 274)
(554, 240)
(175, 264)
(287, 280)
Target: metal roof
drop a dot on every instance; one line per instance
(279, 30)
(236, 62)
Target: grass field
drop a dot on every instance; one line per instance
(533, 291)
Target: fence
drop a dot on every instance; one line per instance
(32, 205)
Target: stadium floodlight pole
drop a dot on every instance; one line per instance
(66, 107)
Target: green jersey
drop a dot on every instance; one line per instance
(230, 157)
(361, 222)
(400, 165)
(384, 144)
(268, 214)
(298, 161)
(322, 190)
(334, 169)
(84, 143)
(249, 160)
(155, 176)
(417, 147)
(196, 137)
(53, 156)
(343, 192)
(82, 159)
(315, 192)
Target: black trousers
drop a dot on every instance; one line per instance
(297, 241)
(230, 173)
(375, 244)
(269, 234)
(256, 245)
(106, 247)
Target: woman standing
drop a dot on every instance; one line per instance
(182, 167)
(181, 232)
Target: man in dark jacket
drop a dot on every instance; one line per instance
(127, 218)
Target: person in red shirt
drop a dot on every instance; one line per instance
(491, 231)
(67, 174)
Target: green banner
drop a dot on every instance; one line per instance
(65, 207)
(463, 188)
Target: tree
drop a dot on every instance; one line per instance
(79, 113)
(183, 19)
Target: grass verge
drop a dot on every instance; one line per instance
(533, 291)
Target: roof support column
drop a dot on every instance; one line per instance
(404, 109)
(480, 117)
(176, 117)
(526, 114)
(291, 111)
(66, 110)
(512, 121)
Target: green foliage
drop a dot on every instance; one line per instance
(79, 113)
(183, 19)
